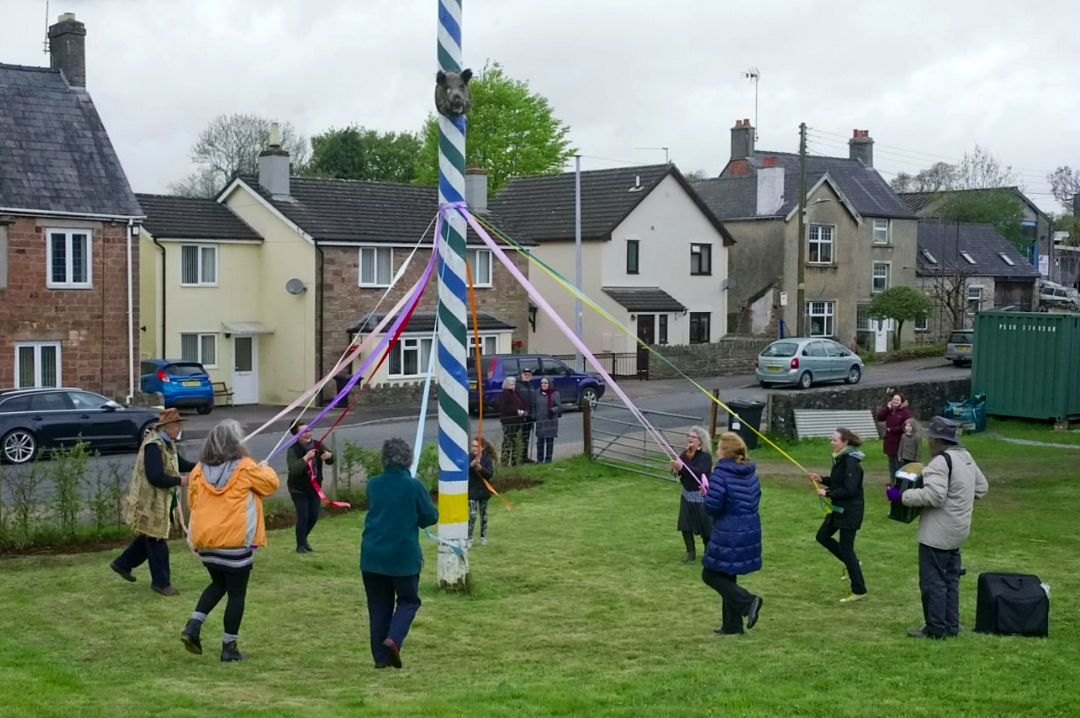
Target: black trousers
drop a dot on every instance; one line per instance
(939, 582)
(386, 621)
(895, 464)
(307, 515)
(844, 550)
(151, 550)
(225, 583)
(736, 599)
(544, 449)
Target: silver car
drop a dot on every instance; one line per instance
(804, 362)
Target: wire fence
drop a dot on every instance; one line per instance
(615, 437)
(618, 365)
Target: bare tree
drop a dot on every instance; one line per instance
(1065, 184)
(939, 176)
(948, 288)
(696, 175)
(981, 170)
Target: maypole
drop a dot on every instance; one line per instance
(453, 569)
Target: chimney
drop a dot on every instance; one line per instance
(861, 147)
(67, 49)
(274, 165)
(476, 189)
(1076, 205)
(742, 140)
(770, 187)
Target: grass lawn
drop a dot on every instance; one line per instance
(579, 607)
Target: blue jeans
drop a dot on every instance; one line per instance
(151, 550)
(386, 622)
(545, 447)
(307, 515)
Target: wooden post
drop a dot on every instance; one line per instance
(586, 428)
(337, 462)
(712, 414)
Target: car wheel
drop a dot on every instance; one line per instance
(957, 362)
(854, 375)
(805, 381)
(588, 396)
(144, 433)
(204, 410)
(19, 446)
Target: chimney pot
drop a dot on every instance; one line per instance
(275, 165)
(746, 123)
(67, 49)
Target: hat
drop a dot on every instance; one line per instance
(526, 370)
(169, 416)
(943, 430)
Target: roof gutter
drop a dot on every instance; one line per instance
(75, 215)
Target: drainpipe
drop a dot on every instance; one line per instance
(164, 288)
(321, 259)
(132, 230)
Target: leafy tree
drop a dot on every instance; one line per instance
(1070, 224)
(901, 304)
(999, 207)
(512, 132)
(696, 175)
(230, 145)
(357, 153)
(1065, 184)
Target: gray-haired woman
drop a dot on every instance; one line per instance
(399, 505)
(692, 466)
(512, 418)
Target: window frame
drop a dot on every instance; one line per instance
(662, 329)
(200, 347)
(699, 250)
(976, 300)
(200, 281)
(68, 282)
(888, 231)
(828, 317)
(922, 324)
(473, 255)
(831, 242)
(37, 346)
(377, 284)
(863, 311)
(695, 318)
(483, 341)
(409, 343)
(874, 278)
(635, 244)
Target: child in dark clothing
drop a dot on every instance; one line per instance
(481, 469)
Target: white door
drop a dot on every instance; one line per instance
(881, 335)
(245, 376)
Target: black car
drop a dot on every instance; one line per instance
(36, 419)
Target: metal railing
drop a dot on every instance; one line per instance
(614, 437)
(618, 365)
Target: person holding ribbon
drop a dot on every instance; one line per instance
(306, 460)
(692, 466)
(481, 471)
(844, 489)
(547, 410)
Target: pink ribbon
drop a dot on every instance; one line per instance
(319, 491)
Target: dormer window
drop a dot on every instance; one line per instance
(1005, 258)
(967, 258)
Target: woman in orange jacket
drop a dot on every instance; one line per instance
(225, 492)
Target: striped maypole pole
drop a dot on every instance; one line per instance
(453, 570)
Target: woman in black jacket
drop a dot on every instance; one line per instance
(844, 488)
(305, 459)
(694, 464)
(481, 469)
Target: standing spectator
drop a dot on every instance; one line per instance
(951, 483)
(511, 416)
(306, 465)
(844, 488)
(894, 415)
(547, 411)
(150, 502)
(399, 505)
(691, 466)
(910, 451)
(529, 404)
(481, 469)
(226, 492)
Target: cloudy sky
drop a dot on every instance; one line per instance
(929, 79)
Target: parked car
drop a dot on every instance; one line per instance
(183, 384)
(961, 347)
(44, 419)
(1052, 294)
(575, 388)
(804, 362)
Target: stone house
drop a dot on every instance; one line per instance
(69, 252)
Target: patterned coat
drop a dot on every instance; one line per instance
(148, 509)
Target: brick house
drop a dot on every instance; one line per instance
(69, 255)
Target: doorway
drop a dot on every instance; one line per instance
(646, 332)
(245, 376)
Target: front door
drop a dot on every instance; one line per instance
(646, 332)
(881, 335)
(245, 376)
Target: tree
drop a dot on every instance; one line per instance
(1065, 184)
(901, 304)
(357, 153)
(512, 132)
(230, 145)
(980, 170)
(999, 207)
(902, 183)
(1070, 224)
(695, 175)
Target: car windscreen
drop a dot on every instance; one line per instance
(185, 370)
(780, 349)
(960, 338)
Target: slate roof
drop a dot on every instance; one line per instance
(922, 203)
(336, 210)
(944, 241)
(543, 208)
(55, 154)
(425, 322)
(644, 299)
(169, 217)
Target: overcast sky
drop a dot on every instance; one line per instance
(928, 79)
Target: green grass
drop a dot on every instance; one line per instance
(579, 607)
(1031, 431)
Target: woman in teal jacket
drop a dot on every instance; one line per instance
(399, 505)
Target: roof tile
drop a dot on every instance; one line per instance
(170, 217)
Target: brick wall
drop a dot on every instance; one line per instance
(90, 324)
(731, 355)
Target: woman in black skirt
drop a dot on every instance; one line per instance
(694, 464)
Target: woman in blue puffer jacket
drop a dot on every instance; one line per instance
(735, 547)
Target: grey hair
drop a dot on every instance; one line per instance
(225, 443)
(509, 382)
(396, 453)
(703, 437)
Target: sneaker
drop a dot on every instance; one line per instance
(483, 540)
(852, 598)
(125, 573)
(393, 651)
(230, 652)
(468, 544)
(167, 591)
(190, 636)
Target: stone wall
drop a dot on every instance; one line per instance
(925, 399)
(409, 394)
(731, 355)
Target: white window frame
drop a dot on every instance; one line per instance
(874, 277)
(922, 324)
(473, 255)
(830, 242)
(828, 314)
(200, 280)
(414, 343)
(486, 341)
(201, 347)
(37, 346)
(379, 281)
(882, 224)
(978, 292)
(68, 282)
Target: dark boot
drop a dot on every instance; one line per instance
(690, 556)
(125, 573)
(230, 652)
(190, 636)
(394, 653)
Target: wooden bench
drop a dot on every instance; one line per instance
(221, 389)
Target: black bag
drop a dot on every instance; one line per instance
(1012, 604)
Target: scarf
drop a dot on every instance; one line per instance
(843, 452)
(549, 392)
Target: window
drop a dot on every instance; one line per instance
(663, 328)
(69, 259)
(480, 266)
(700, 329)
(922, 324)
(862, 318)
(554, 367)
(881, 231)
(488, 344)
(881, 277)
(86, 401)
(632, 249)
(929, 257)
(37, 364)
(51, 401)
(821, 244)
(201, 348)
(410, 357)
(1005, 258)
(700, 259)
(974, 295)
(198, 265)
(967, 258)
(376, 266)
(820, 315)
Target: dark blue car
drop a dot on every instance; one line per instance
(183, 384)
(575, 388)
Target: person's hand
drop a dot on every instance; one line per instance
(893, 493)
(309, 455)
(821, 492)
(676, 464)
(521, 412)
(703, 490)
(184, 479)
(812, 476)
(475, 462)
(264, 463)
(326, 455)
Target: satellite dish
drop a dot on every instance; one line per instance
(295, 286)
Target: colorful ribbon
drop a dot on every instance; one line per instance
(319, 491)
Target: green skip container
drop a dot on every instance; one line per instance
(1027, 364)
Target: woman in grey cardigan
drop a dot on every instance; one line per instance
(548, 410)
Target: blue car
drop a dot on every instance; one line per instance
(575, 388)
(183, 384)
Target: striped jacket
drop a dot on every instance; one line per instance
(226, 504)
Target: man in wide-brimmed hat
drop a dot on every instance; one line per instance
(151, 500)
(951, 483)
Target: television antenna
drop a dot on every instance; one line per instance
(665, 149)
(754, 76)
(45, 44)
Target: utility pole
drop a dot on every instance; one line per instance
(579, 360)
(800, 301)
